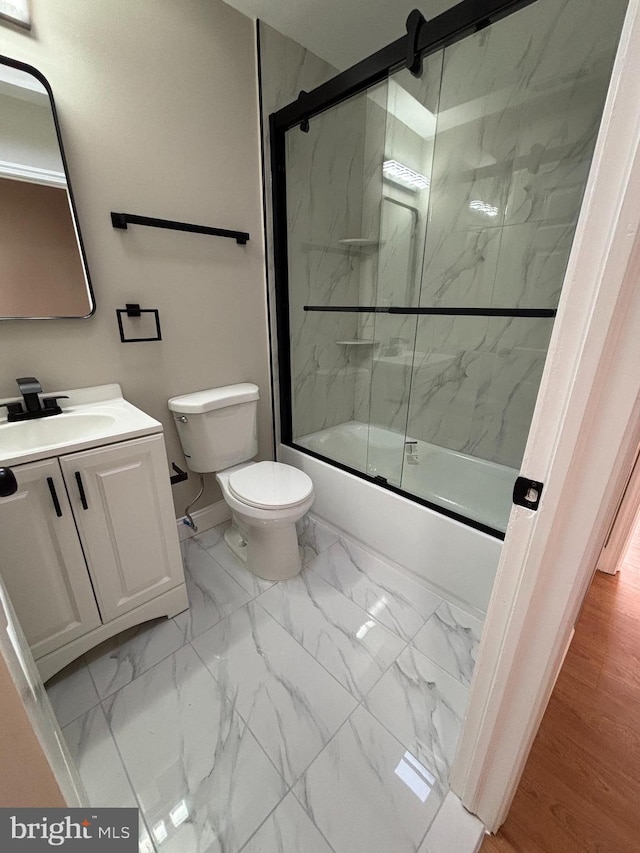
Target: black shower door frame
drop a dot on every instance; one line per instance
(421, 40)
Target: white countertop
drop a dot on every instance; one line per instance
(91, 417)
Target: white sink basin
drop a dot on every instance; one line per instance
(52, 431)
(90, 417)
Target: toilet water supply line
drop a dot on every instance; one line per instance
(189, 520)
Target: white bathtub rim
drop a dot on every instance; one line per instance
(387, 440)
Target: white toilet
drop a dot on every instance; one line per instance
(218, 431)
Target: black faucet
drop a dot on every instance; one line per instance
(30, 388)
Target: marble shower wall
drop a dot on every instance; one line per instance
(520, 107)
(336, 192)
(474, 383)
(518, 117)
(324, 206)
(324, 209)
(286, 68)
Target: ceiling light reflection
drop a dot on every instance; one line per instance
(160, 832)
(363, 630)
(404, 177)
(483, 207)
(379, 605)
(145, 845)
(415, 776)
(179, 814)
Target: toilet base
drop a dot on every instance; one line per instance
(236, 542)
(271, 553)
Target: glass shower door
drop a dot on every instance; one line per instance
(333, 213)
(405, 164)
(429, 226)
(518, 115)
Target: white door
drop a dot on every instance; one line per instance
(41, 560)
(122, 503)
(32, 709)
(584, 435)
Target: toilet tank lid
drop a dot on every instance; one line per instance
(214, 398)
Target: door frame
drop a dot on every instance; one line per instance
(622, 524)
(584, 434)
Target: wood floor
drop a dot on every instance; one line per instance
(580, 791)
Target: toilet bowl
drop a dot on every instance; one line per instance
(217, 429)
(266, 499)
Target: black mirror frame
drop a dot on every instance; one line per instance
(29, 69)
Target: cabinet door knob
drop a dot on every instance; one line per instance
(54, 496)
(83, 497)
(8, 483)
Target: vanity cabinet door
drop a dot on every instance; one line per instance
(41, 560)
(121, 498)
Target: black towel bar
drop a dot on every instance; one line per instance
(121, 220)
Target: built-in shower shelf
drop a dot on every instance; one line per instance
(359, 243)
(361, 342)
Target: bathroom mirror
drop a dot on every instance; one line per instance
(43, 269)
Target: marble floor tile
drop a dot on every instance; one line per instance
(213, 594)
(291, 704)
(451, 638)
(423, 706)
(126, 656)
(95, 754)
(401, 604)
(202, 780)
(366, 793)
(288, 830)
(208, 538)
(314, 537)
(209, 736)
(348, 642)
(223, 555)
(72, 692)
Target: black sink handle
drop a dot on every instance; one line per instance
(52, 402)
(8, 483)
(13, 408)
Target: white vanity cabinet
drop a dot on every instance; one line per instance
(41, 560)
(122, 504)
(89, 547)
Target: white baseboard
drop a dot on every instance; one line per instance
(454, 830)
(205, 518)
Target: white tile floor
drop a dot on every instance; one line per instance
(321, 714)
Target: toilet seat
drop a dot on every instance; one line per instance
(270, 485)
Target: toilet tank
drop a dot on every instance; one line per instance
(218, 428)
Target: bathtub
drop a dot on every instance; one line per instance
(442, 553)
(471, 487)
